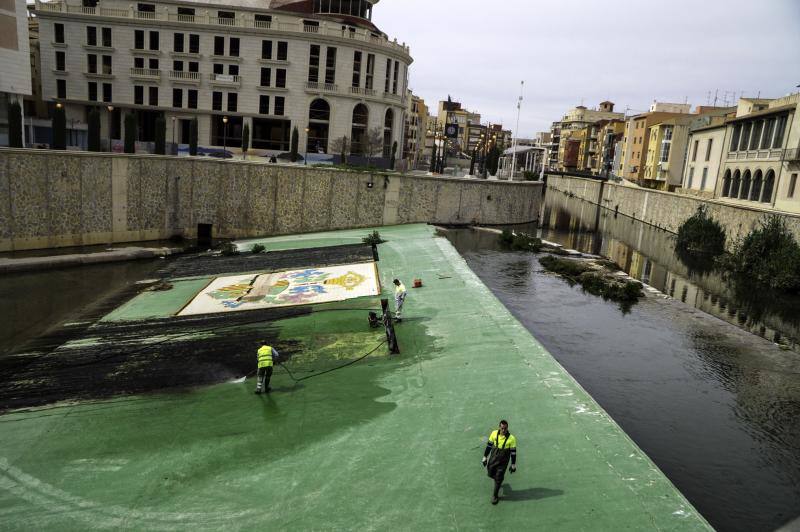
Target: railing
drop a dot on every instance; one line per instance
(179, 75)
(755, 154)
(326, 87)
(145, 73)
(362, 91)
(225, 79)
(392, 96)
(243, 20)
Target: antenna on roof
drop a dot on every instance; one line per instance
(716, 97)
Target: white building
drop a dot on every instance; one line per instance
(704, 158)
(319, 66)
(15, 67)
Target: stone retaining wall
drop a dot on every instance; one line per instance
(55, 199)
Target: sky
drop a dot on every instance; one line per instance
(630, 52)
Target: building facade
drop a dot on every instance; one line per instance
(15, 65)
(321, 67)
(563, 133)
(416, 127)
(666, 152)
(704, 157)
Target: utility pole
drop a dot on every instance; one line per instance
(516, 133)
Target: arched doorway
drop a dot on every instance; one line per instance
(755, 192)
(388, 126)
(769, 184)
(745, 192)
(726, 184)
(319, 118)
(358, 131)
(735, 185)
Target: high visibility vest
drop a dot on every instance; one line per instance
(265, 356)
(507, 442)
(399, 289)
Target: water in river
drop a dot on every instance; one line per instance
(714, 403)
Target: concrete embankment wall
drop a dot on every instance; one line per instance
(665, 209)
(55, 199)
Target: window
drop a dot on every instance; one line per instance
(233, 47)
(666, 144)
(279, 103)
(228, 16)
(766, 138)
(194, 43)
(779, 132)
(216, 101)
(107, 92)
(152, 64)
(745, 140)
(313, 64)
(91, 64)
(191, 97)
(704, 179)
(283, 51)
(233, 102)
(154, 40)
(266, 49)
(266, 77)
(694, 150)
(219, 45)
(194, 66)
(691, 177)
(177, 98)
(177, 66)
(737, 130)
(263, 21)
(138, 94)
(59, 33)
(61, 61)
(177, 45)
(184, 14)
(330, 66)
(386, 85)
(138, 39)
(91, 36)
(756, 136)
(92, 91)
(106, 37)
(233, 70)
(146, 8)
(263, 104)
(792, 185)
(769, 183)
(356, 69)
(396, 76)
(708, 149)
(152, 96)
(107, 65)
(369, 82)
(280, 77)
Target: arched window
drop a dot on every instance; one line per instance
(745, 191)
(735, 184)
(755, 191)
(726, 184)
(769, 184)
(388, 126)
(359, 129)
(319, 117)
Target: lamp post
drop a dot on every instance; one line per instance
(224, 137)
(173, 135)
(305, 158)
(110, 119)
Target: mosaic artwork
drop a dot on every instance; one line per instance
(295, 287)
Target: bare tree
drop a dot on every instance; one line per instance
(372, 142)
(341, 145)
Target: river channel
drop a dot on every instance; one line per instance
(707, 385)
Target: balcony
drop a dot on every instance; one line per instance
(361, 91)
(244, 19)
(102, 74)
(776, 153)
(147, 74)
(225, 80)
(315, 86)
(392, 96)
(191, 78)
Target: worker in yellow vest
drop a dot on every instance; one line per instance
(501, 448)
(399, 298)
(266, 356)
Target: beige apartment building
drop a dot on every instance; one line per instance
(609, 138)
(666, 153)
(761, 155)
(321, 67)
(416, 127)
(574, 120)
(15, 66)
(704, 157)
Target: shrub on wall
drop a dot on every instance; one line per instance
(59, 129)
(94, 131)
(14, 125)
(701, 233)
(130, 133)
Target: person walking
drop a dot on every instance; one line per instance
(399, 298)
(500, 449)
(265, 359)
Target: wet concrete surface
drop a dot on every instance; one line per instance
(713, 405)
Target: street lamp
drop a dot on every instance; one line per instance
(305, 159)
(110, 114)
(224, 137)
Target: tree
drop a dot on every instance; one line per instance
(94, 131)
(393, 158)
(433, 157)
(340, 146)
(472, 161)
(493, 159)
(372, 142)
(193, 137)
(130, 133)
(14, 125)
(245, 140)
(59, 129)
(161, 135)
(293, 156)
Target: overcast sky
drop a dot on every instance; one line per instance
(627, 51)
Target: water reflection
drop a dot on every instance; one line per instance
(647, 253)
